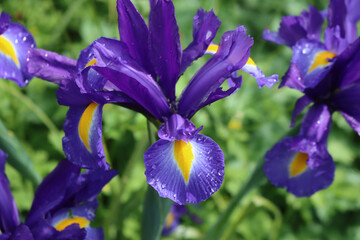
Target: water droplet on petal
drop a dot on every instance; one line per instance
(163, 185)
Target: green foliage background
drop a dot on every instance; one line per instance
(245, 125)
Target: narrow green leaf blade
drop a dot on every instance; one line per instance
(17, 156)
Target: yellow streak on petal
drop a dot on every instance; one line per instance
(250, 62)
(183, 156)
(83, 223)
(212, 48)
(85, 122)
(169, 219)
(298, 165)
(91, 62)
(321, 59)
(8, 49)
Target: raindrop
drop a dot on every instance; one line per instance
(26, 81)
(163, 185)
(46, 54)
(174, 195)
(208, 35)
(32, 45)
(221, 172)
(306, 50)
(16, 41)
(24, 39)
(153, 166)
(151, 181)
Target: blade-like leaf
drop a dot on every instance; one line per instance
(17, 156)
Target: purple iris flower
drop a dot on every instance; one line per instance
(140, 72)
(327, 73)
(173, 219)
(63, 207)
(15, 40)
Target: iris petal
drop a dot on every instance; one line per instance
(202, 163)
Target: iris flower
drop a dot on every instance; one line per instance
(15, 40)
(140, 72)
(63, 206)
(327, 73)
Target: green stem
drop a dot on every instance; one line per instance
(155, 208)
(256, 179)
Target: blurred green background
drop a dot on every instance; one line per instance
(245, 126)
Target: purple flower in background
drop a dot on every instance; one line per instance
(173, 219)
(15, 40)
(140, 72)
(63, 206)
(327, 73)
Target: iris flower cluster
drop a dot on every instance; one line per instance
(327, 73)
(63, 207)
(140, 72)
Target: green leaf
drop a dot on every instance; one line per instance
(17, 156)
(256, 179)
(154, 214)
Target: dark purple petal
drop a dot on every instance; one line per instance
(333, 40)
(22, 232)
(281, 161)
(273, 37)
(4, 22)
(72, 232)
(134, 32)
(177, 128)
(82, 143)
(9, 216)
(316, 124)
(165, 47)
(337, 15)
(313, 21)
(51, 66)
(173, 218)
(234, 51)
(292, 29)
(305, 71)
(181, 184)
(300, 104)
(52, 190)
(347, 101)
(205, 26)
(13, 58)
(234, 83)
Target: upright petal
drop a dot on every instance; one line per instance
(205, 26)
(52, 190)
(134, 32)
(15, 42)
(165, 47)
(4, 22)
(185, 172)
(301, 166)
(83, 136)
(51, 66)
(337, 16)
(234, 51)
(9, 216)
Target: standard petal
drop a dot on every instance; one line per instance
(234, 51)
(4, 22)
(310, 63)
(300, 166)
(165, 47)
(83, 136)
(185, 172)
(52, 190)
(205, 26)
(9, 216)
(51, 66)
(316, 124)
(14, 45)
(134, 32)
(300, 105)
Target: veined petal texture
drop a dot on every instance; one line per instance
(185, 172)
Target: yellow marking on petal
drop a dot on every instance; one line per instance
(321, 59)
(183, 156)
(250, 62)
(298, 165)
(212, 48)
(83, 223)
(8, 49)
(169, 219)
(91, 62)
(85, 122)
